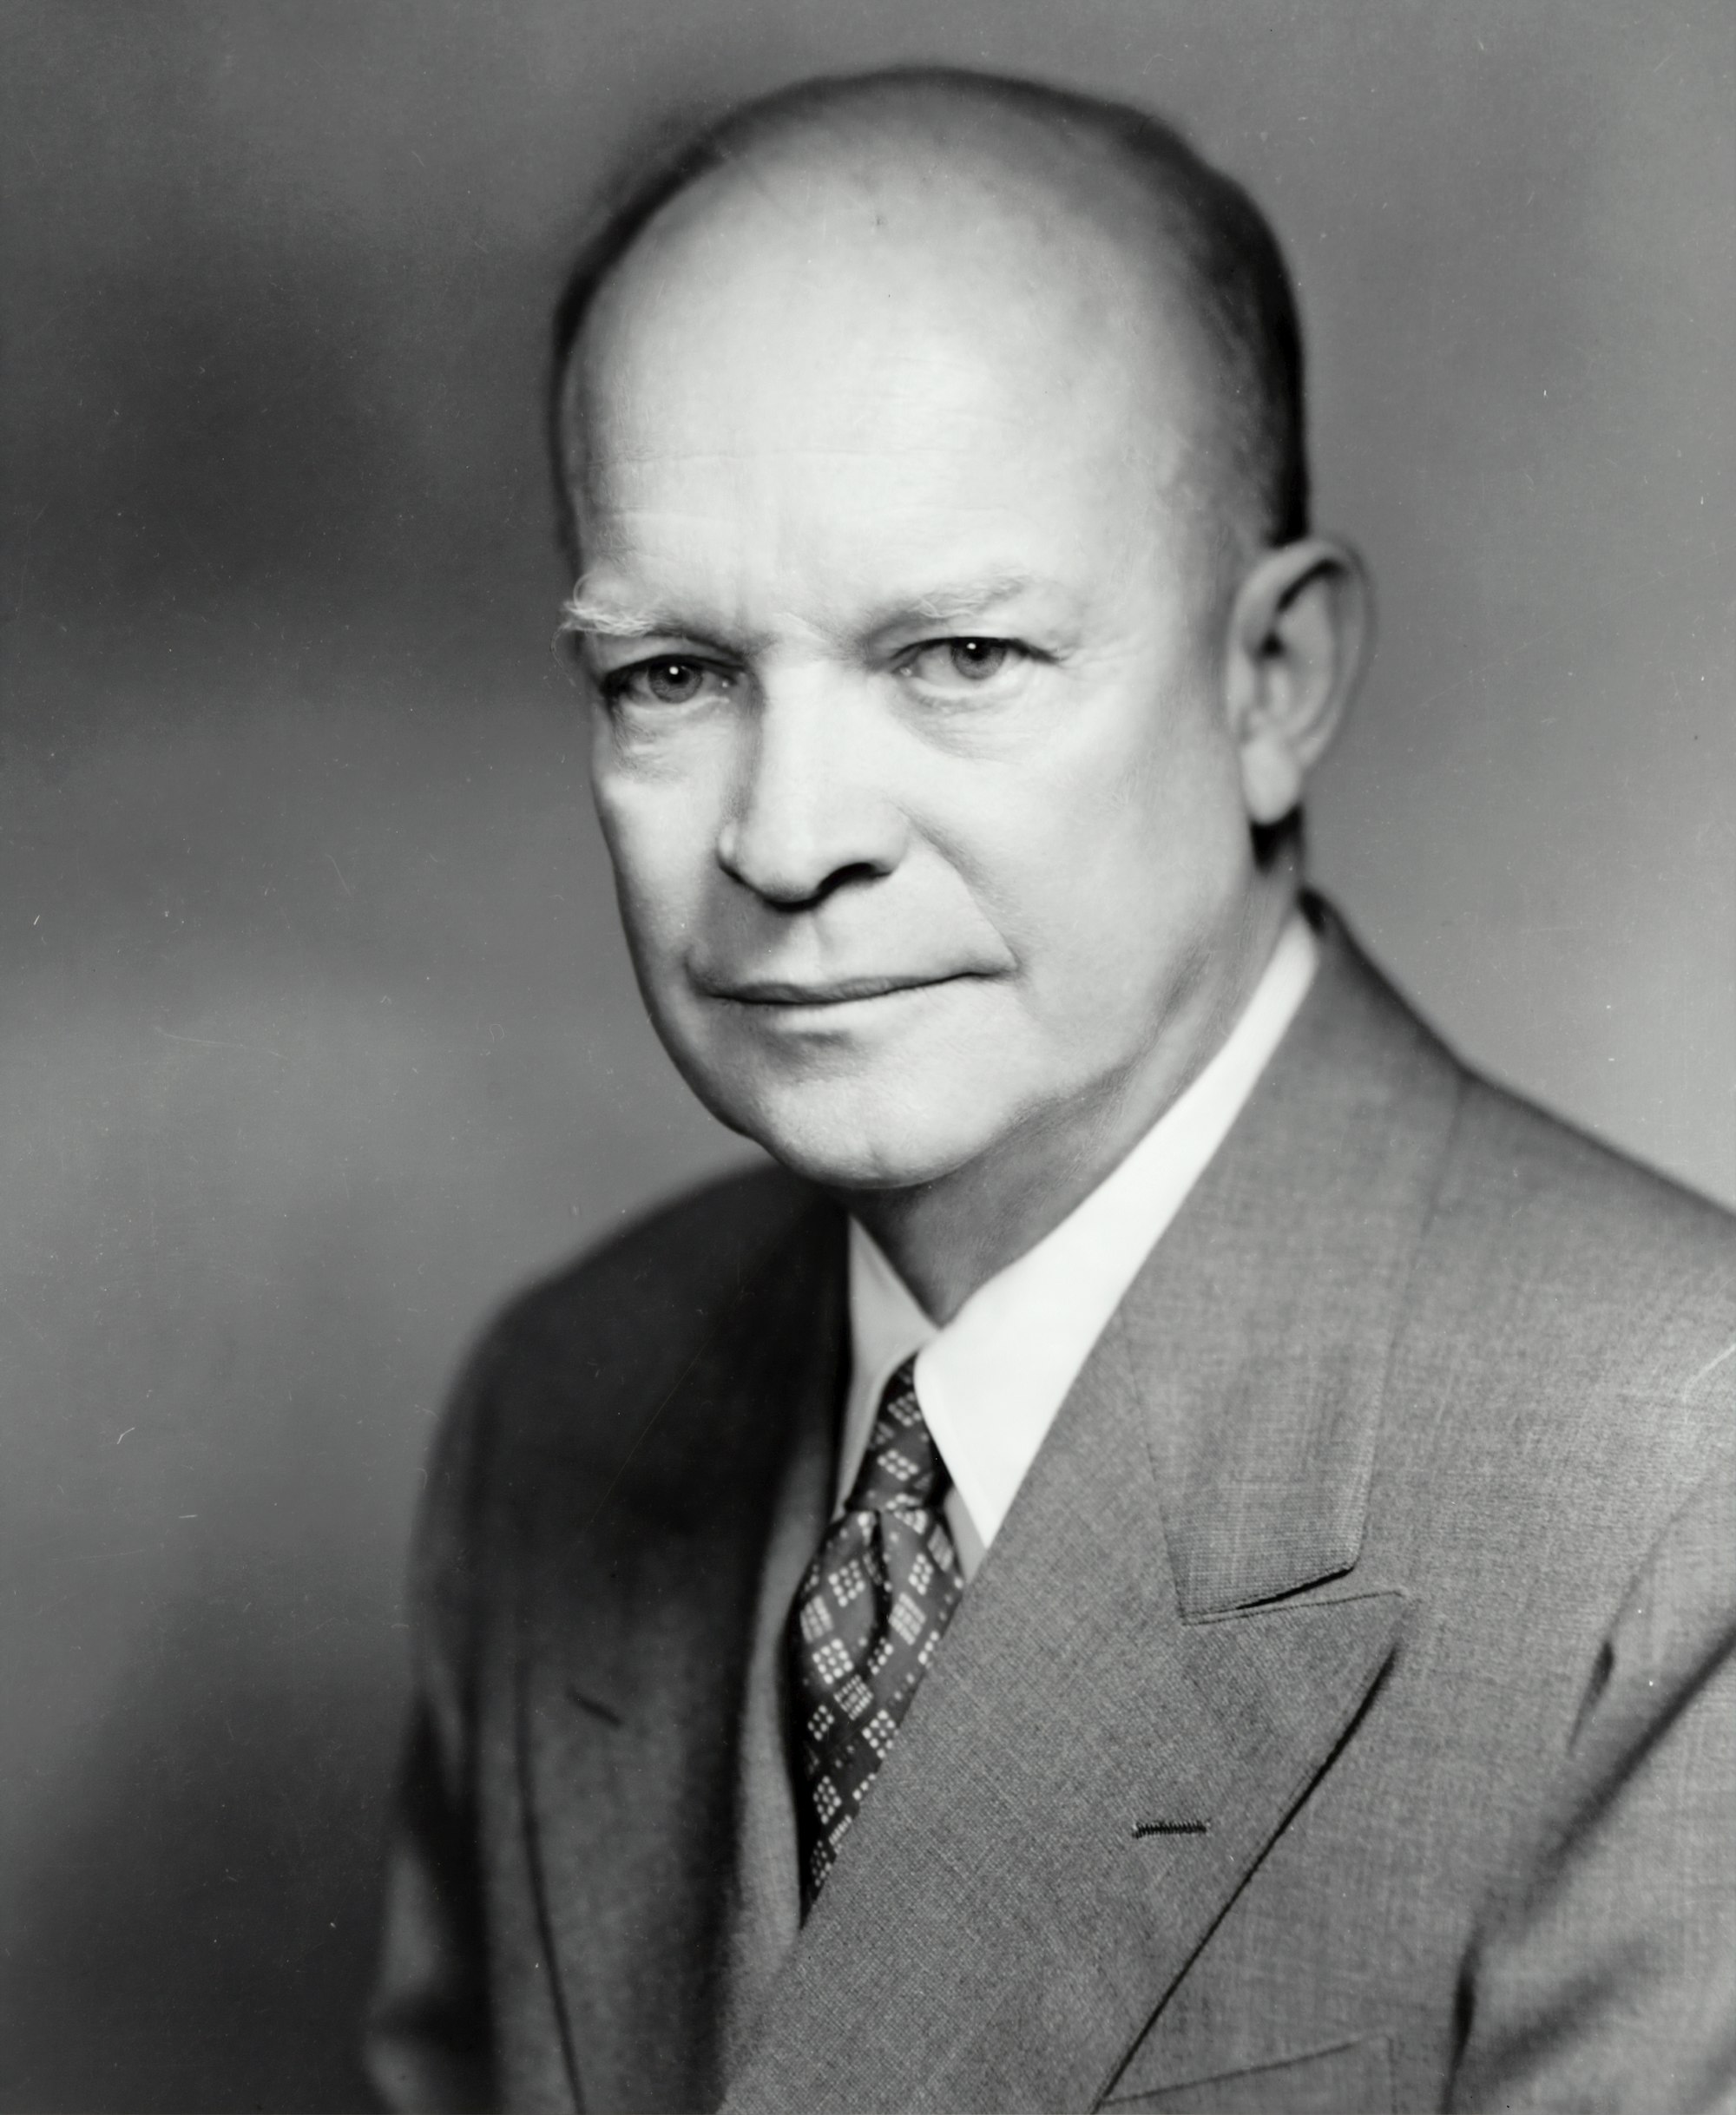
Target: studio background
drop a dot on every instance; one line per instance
(315, 1034)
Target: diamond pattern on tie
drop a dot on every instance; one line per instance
(869, 1614)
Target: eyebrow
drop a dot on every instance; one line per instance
(593, 616)
(957, 602)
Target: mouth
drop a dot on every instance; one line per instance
(782, 993)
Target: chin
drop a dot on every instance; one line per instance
(846, 1136)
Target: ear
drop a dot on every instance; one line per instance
(1298, 636)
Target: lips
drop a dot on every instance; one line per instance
(832, 991)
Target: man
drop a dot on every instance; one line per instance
(1178, 1553)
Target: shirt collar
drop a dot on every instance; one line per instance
(991, 1381)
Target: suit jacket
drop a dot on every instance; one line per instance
(1344, 1717)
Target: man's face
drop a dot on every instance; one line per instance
(909, 748)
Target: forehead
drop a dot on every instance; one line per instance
(902, 297)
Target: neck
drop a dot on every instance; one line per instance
(947, 1238)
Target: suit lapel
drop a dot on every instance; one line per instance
(1260, 1331)
(1166, 1645)
(655, 1787)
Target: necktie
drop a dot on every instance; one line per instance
(869, 1614)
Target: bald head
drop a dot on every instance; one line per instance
(1039, 211)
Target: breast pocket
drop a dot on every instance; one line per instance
(1351, 2078)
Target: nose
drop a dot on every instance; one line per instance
(808, 817)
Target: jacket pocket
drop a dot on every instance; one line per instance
(1351, 2078)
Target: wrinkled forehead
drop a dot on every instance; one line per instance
(879, 283)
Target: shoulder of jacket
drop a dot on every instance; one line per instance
(618, 1325)
(1593, 1209)
(681, 1256)
(1511, 1163)
(1577, 1307)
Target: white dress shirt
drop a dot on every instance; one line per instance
(991, 1381)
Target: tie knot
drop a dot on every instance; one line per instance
(902, 1465)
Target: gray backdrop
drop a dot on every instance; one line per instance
(315, 1032)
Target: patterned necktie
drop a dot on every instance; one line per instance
(868, 1617)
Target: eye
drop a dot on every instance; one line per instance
(669, 679)
(949, 662)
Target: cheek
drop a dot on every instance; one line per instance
(659, 845)
(1111, 867)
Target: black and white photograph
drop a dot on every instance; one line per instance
(867, 1056)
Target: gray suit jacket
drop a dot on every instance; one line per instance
(1343, 1718)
